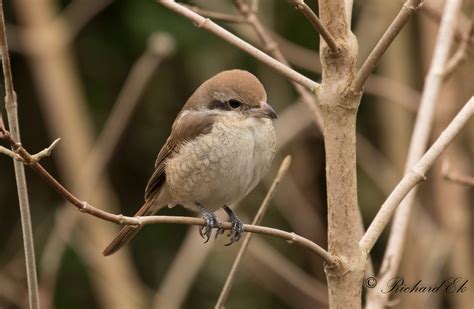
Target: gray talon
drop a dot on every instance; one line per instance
(211, 222)
(237, 226)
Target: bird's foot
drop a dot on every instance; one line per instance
(211, 221)
(237, 226)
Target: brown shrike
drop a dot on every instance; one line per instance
(221, 145)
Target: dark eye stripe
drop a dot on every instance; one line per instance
(219, 105)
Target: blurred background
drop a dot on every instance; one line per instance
(108, 78)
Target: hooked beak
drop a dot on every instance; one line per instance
(265, 111)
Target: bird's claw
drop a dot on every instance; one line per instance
(211, 222)
(237, 228)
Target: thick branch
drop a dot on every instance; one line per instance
(392, 32)
(227, 36)
(300, 5)
(414, 176)
(138, 221)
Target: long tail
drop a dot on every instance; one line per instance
(127, 232)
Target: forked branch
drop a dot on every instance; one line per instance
(409, 7)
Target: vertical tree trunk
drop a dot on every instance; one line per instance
(339, 108)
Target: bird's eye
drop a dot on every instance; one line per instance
(234, 104)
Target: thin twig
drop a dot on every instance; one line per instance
(46, 152)
(12, 114)
(207, 24)
(409, 7)
(256, 221)
(9, 153)
(139, 221)
(300, 5)
(224, 17)
(414, 176)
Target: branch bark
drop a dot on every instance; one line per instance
(12, 114)
(339, 108)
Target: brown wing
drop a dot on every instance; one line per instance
(187, 126)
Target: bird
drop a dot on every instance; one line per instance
(221, 145)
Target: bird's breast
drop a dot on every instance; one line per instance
(224, 165)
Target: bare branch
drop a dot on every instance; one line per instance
(300, 5)
(409, 7)
(12, 114)
(45, 152)
(256, 221)
(212, 27)
(9, 153)
(139, 221)
(414, 176)
(229, 18)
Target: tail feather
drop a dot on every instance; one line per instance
(127, 232)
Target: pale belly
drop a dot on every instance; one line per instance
(222, 167)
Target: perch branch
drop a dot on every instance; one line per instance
(227, 36)
(139, 221)
(409, 7)
(300, 5)
(256, 221)
(25, 217)
(414, 176)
